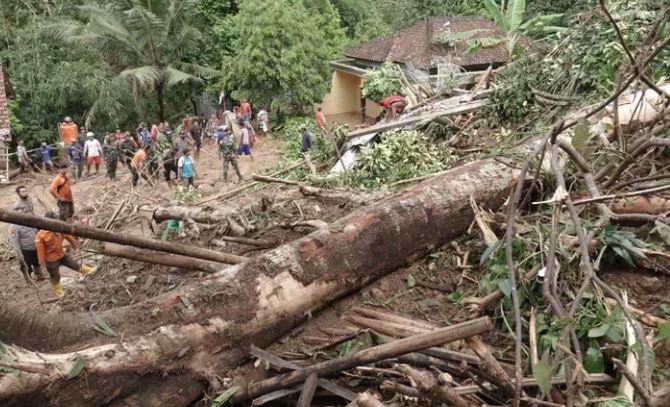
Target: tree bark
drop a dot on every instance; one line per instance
(153, 257)
(264, 298)
(88, 232)
(262, 243)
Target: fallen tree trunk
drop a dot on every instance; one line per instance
(262, 299)
(152, 257)
(103, 235)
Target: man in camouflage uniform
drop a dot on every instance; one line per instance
(227, 153)
(111, 151)
(128, 148)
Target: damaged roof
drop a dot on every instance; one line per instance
(418, 45)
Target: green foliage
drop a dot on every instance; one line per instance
(77, 368)
(618, 245)
(400, 155)
(542, 373)
(291, 135)
(145, 43)
(382, 82)
(512, 98)
(188, 195)
(286, 62)
(225, 396)
(101, 325)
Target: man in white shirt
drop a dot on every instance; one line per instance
(92, 152)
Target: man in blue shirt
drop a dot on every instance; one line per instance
(45, 155)
(75, 152)
(306, 144)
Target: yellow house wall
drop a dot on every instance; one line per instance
(344, 96)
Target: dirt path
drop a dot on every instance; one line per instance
(96, 193)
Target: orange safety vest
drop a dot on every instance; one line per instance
(68, 132)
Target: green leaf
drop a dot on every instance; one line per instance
(663, 231)
(101, 326)
(594, 361)
(3, 349)
(515, 11)
(505, 287)
(542, 373)
(664, 332)
(455, 297)
(599, 331)
(410, 281)
(498, 17)
(77, 368)
(489, 251)
(225, 396)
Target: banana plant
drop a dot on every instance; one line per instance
(509, 19)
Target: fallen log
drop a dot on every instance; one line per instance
(153, 257)
(366, 356)
(263, 243)
(103, 235)
(264, 298)
(196, 214)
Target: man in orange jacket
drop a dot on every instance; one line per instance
(51, 256)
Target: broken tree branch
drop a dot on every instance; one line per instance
(79, 230)
(369, 355)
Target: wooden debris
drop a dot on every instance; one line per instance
(308, 390)
(80, 230)
(370, 355)
(263, 243)
(153, 257)
(430, 388)
(490, 365)
(456, 110)
(366, 400)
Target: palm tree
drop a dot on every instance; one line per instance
(145, 41)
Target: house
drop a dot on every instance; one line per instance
(417, 50)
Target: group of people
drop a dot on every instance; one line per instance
(147, 149)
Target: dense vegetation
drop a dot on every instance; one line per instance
(111, 64)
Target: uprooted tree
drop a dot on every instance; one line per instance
(195, 332)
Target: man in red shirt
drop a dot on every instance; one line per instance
(394, 105)
(245, 110)
(61, 189)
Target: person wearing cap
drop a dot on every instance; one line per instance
(186, 168)
(51, 256)
(93, 153)
(61, 189)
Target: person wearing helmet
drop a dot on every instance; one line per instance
(51, 256)
(93, 153)
(68, 131)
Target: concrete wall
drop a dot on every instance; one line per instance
(344, 96)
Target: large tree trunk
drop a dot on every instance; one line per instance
(262, 299)
(88, 232)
